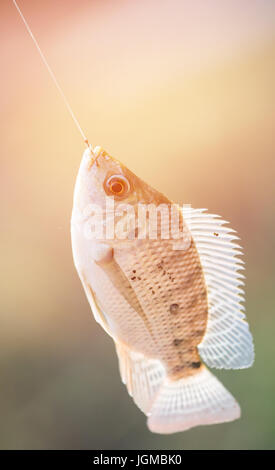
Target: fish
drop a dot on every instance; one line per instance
(173, 306)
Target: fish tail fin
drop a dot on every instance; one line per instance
(191, 401)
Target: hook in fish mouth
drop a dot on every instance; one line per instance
(96, 153)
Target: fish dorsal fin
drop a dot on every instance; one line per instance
(227, 343)
(142, 376)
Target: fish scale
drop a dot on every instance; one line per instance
(189, 324)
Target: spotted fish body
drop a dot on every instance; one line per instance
(175, 305)
(167, 309)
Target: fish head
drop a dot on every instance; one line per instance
(102, 176)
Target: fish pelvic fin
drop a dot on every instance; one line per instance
(191, 401)
(141, 375)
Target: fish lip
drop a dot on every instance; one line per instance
(97, 152)
(93, 155)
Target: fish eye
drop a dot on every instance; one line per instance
(117, 185)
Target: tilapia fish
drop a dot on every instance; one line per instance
(170, 304)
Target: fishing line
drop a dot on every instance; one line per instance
(52, 74)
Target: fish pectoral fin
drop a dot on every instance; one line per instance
(119, 279)
(141, 375)
(227, 343)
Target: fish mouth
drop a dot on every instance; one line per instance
(97, 152)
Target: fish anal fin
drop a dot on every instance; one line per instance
(141, 375)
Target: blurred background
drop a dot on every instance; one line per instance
(183, 93)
